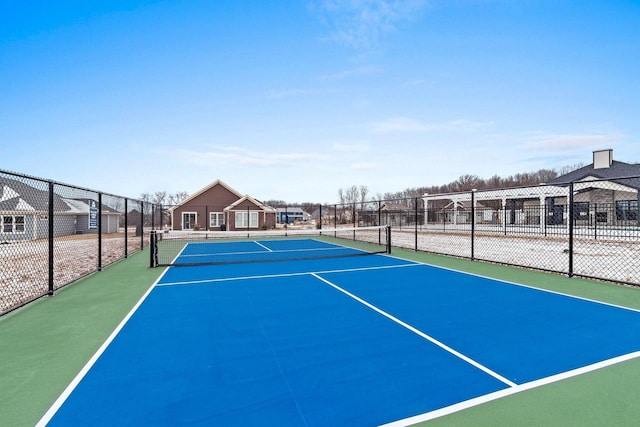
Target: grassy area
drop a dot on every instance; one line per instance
(44, 345)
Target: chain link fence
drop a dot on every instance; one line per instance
(53, 234)
(587, 228)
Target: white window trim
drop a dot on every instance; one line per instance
(195, 214)
(13, 224)
(219, 216)
(241, 219)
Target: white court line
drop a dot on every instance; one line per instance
(420, 333)
(510, 391)
(303, 273)
(223, 254)
(74, 383)
(263, 246)
(466, 273)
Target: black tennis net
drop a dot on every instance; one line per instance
(181, 248)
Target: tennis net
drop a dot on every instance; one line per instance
(181, 248)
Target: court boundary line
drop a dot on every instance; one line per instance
(467, 404)
(508, 282)
(302, 273)
(69, 389)
(517, 388)
(306, 236)
(62, 398)
(419, 333)
(223, 254)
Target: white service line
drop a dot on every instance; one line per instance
(420, 333)
(261, 245)
(302, 273)
(509, 391)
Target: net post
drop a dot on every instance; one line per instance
(388, 231)
(152, 249)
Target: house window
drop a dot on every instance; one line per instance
(13, 224)
(247, 219)
(216, 219)
(627, 210)
(581, 211)
(188, 220)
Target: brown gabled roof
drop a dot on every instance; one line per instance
(259, 204)
(204, 190)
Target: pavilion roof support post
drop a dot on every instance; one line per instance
(504, 214)
(542, 211)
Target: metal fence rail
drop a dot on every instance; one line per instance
(587, 228)
(52, 234)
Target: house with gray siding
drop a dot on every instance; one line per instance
(24, 213)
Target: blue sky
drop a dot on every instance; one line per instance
(296, 99)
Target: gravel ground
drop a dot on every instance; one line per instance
(24, 266)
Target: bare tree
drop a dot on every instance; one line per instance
(175, 198)
(364, 191)
(466, 182)
(570, 168)
(159, 197)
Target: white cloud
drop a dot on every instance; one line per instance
(399, 124)
(287, 93)
(354, 72)
(234, 155)
(571, 142)
(361, 24)
(365, 166)
(351, 147)
(417, 82)
(407, 124)
(466, 125)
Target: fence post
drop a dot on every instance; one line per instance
(416, 224)
(320, 211)
(51, 231)
(99, 231)
(126, 227)
(473, 223)
(571, 215)
(141, 225)
(638, 210)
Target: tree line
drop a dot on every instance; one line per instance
(467, 182)
(360, 193)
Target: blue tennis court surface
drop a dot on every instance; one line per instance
(340, 341)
